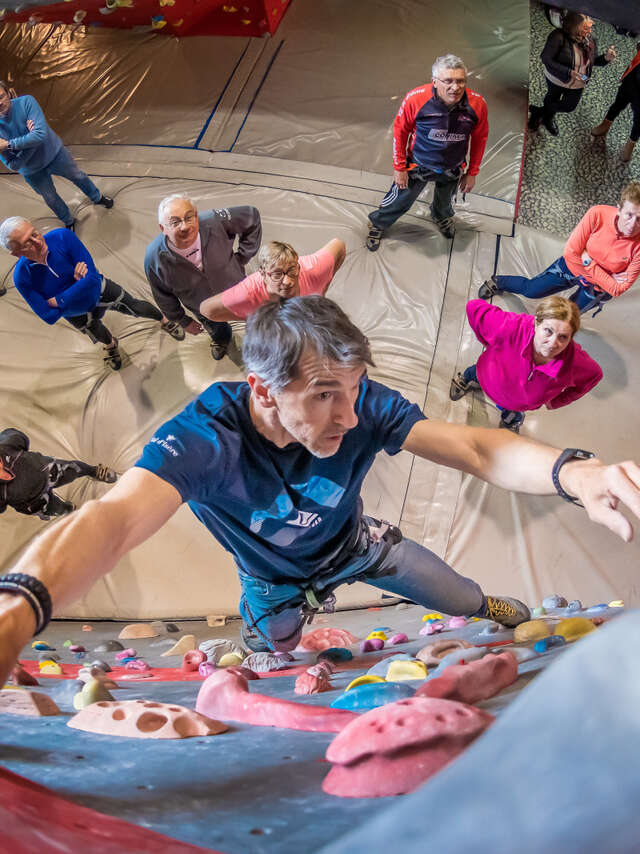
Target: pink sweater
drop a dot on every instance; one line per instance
(507, 372)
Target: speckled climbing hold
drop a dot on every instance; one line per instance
(144, 719)
(19, 701)
(456, 622)
(377, 634)
(538, 612)
(551, 642)
(531, 630)
(231, 659)
(373, 695)
(574, 605)
(192, 660)
(367, 679)
(41, 645)
(400, 637)
(321, 639)
(263, 662)
(109, 646)
(574, 627)
(433, 616)
(432, 628)
(616, 603)
(185, 643)
(406, 671)
(137, 664)
(50, 668)
(435, 651)
(336, 654)
(393, 750)
(371, 645)
(125, 653)
(138, 630)
(93, 691)
(307, 683)
(554, 601)
(321, 668)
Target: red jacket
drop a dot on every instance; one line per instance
(434, 137)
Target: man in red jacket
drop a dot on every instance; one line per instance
(431, 136)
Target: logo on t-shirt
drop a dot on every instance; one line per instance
(165, 443)
(304, 519)
(444, 136)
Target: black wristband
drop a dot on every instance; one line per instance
(34, 591)
(565, 456)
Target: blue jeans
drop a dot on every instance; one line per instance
(397, 201)
(64, 165)
(507, 416)
(557, 277)
(398, 566)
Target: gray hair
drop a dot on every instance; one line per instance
(449, 60)
(274, 253)
(278, 333)
(7, 228)
(164, 204)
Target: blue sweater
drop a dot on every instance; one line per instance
(29, 151)
(38, 283)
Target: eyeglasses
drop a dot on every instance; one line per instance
(449, 83)
(175, 221)
(278, 275)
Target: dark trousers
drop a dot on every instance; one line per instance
(559, 100)
(61, 472)
(628, 94)
(508, 417)
(219, 330)
(115, 298)
(397, 201)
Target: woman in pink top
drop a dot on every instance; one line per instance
(601, 257)
(283, 273)
(529, 360)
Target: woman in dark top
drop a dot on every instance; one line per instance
(568, 57)
(628, 94)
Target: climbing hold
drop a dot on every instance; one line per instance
(432, 628)
(372, 645)
(406, 671)
(215, 648)
(597, 609)
(380, 635)
(574, 627)
(367, 679)
(206, 668)
(307, 683)
(531, 630)
(144, 719)
(321, 639)
(79, 16)
(239, 670)
(49, 656)
(158, 22)
(230, 659)
(380, 667)
(138, 630)
(263, 662)
(108, 646)
(617, 603)
(521, 653)
(137, 664)
(41, 645)
(125, 653)
(470, 683)
(371, 696)
(19, 676)
(87, 628)
(394, 640)
(101, 664)
(394, 749)
(93, 691)
(545, 644)
(192, 660)
(432, 616)
(214, 620)
(435, 651)
(491, 628)
(14, 701)
(335, 654)
(67, 643)
(462, 655)
(456, 622)
(554, 601)
(538, 612)
(50, 668)
(574, 605)
(185, 643)
(77, 647)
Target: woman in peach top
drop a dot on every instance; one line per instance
(601, 258)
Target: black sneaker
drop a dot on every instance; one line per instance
(535, 118)
(113, 359)
(252, 640)
(373, 238)
(219, 351)
(551, 126)
(489, 289)
(105, 201)
(508, 612)
(104, 474)
(173, 328)
(512, 421)
(460, 387)
(447, 227)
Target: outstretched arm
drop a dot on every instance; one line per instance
(338, 249)
(522, 465)
(72, 554)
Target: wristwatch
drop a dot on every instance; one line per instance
(565, 456)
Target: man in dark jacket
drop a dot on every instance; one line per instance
(194, 258)
(435, 125)
(27, 478)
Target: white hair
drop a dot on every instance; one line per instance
(449, 60)
(164, 204)
(7, 228)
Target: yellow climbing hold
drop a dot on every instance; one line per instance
(574, 627)
(404, 670)
(230, 659)
(617, 603)
(433, 616)
(167, 2)
(532, 630)
(380, 635)
(178, 23)
(158, 25)
(363, 680)
(50, 667)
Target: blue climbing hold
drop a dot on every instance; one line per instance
(335, 653)
(545, 644)
(596, 609)
(364, 697)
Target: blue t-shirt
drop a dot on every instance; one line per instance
(280, 511)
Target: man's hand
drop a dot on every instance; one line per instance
(401, 179)
(80, 271)
(4, 144)
(193, 327)
(467, 183)
(610, 55)
(31, 125)
(601, 488)
(52, 302)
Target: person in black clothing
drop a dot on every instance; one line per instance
(628, 94)
(28, 478)
(568, 57)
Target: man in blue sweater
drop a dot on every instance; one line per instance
(57, 277)
(30, 147)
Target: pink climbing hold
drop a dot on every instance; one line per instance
(321, 639)
(473, 681)
(192, 660)
(393, 749)
(226, 696)
(138, 664)
(456, 622)
(206, 669)
(308, 683)
(321, 668)
(399, 638)
(371, 645)
(125, 653)
(432, 628)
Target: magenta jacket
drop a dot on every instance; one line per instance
(506, 370)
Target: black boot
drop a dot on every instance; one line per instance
(535, 117)
(550, 124)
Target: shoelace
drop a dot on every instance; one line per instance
(500, 607)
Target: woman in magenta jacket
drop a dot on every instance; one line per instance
(529, 359)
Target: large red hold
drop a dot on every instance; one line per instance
(321, 639)
(393, 749)
(226, 696)
(475, 681)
